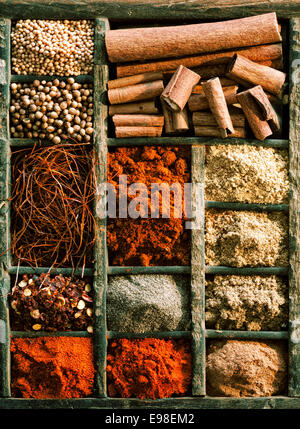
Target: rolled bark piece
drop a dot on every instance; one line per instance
(254, 53)
(268, 112)
(206, 118)
(217, 104)
(254, 115)
(138, 44)
(133, 80)
(141, 91)
(270, 79)
(168, 115)
(179, 89)
(199, 101)
(147, 107)
(209, 131)
(138, 120)
(127, 132)
(181, 120)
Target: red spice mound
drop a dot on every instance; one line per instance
(147, 241)
(149, 368)
(49, 367)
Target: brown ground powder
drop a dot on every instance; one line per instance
(242, 238)
(252, 303)
(246, 368)
(246, 174)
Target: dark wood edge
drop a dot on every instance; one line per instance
(132, 10)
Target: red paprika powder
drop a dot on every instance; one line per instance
(149, 368)
(52, 367)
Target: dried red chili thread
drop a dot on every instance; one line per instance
(52, 195)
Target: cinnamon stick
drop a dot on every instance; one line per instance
(268, 112)
(127, 132)
(254, 115)
(138, 120)
(147, 107)
(210, 131)
(245, 70)
(254, 53)
(168, 116)
(180, 120)
(141, 91)
(133, 80)
(199, 101)
(138, 44)
(217, 104)
(179, 89)
(223, 80)
(206, 118)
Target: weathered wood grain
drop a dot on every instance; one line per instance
(4, 207)
(198, 271)
(294, 225)
(146, 9)
(269, 403)
(100, 253)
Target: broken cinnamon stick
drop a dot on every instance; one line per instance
(168, 116)
(210, 131)
(127, 132)
(254, 115)
(206, 118)
(254, 53)
(268, 112)
(138, 44)
(199, 101)
(245, 70)
(217, 104)
(133, 80)
(180, 120)
(179, 89)
(147, 107)
(138, 120)
(141, 91)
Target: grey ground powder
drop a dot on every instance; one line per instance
(144, 303)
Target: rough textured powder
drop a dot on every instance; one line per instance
(145, 303)
(242, 238)
(246, 368)
(246, 174)
(253, 303)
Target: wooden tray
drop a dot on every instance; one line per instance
(141, 12)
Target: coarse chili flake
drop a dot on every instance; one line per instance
(51, 304)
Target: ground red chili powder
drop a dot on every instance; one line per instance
(162, 241)
(149, 368)
(48, 367)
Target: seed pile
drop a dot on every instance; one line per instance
(246, 368)
(49, 368)
(52, 213)
(239, 239)
(246, 174)
(252, 303)
(48, 47)
(51, 304)
(52, 110)
(149, 368)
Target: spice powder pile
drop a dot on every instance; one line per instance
(47, 367)
(149, 368)
(162, 241)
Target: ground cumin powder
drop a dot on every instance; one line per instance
(149, 241)
(46, 367)
(149, 368)
(247, 174)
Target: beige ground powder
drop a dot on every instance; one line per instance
(246, 174)
(242, 238)
(250, 303)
